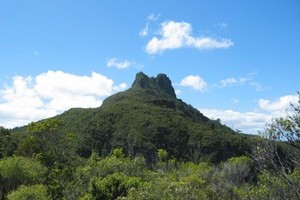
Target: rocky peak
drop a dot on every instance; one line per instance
(161, 83)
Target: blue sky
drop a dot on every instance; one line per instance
(233, 60)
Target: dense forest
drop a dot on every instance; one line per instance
(144, 143)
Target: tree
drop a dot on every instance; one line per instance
(16, 171)
(99, 176)
(48, 144)
(7, 142)
(162, 155)
(113, 186)
(278, 152)
(195, 147)
(187, 181)
(34, 192)
(227, 176)
(54, 149)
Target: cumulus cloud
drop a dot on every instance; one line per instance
(248, 122)
(195, 82)
(20, 103)
(120, 87)
(251, 122)
(174, 35)
(58, 83)
(281, 104)
(48, 94)
(122, 64)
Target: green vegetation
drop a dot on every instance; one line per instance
(145, 143)
(148, 117)
(17, 171)
(36, 192)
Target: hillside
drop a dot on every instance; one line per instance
(144, 143)
(147, 117)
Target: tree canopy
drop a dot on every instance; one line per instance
(145, 143)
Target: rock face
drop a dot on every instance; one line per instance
(161, 83)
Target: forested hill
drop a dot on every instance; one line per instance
(144, 143)
(147, 117)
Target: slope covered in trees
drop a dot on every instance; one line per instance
(147, 117)
(144, 143)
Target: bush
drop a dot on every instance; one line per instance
(34, 192)
(16, 171)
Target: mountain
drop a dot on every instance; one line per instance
(148, 117)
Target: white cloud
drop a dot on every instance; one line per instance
(195, 82)
(281, 104)
(120, 87)
(228, 81)
(248, 122)
(241, 81)
(144, 31)
(122, 64)
(153, 17)
(234, 81)
(20, 103)
(57, 83)
(175, 35)
(114, 62)
(48, 94)
(178, 92)
(251, 122)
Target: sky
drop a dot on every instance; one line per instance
(238, 61)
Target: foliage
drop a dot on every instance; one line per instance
(120, 177)
(278, 155)
(113, 186)
(269, 186)
(145, 143)
(50, 126)
(162, 155)
(45, 142)
(161, 189)
(234, 173)
(141, 120)
(55, 150)
(87, 178)
(16, 171)
(148, 117)
(33, 192)
(57, 179)
(8, 142)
